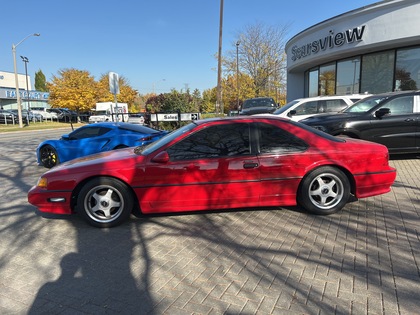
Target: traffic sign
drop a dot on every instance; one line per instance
(114, 87)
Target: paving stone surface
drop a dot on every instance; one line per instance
(363, 260)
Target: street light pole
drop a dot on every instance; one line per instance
(237, 74)
(18, 100)
(26, 60)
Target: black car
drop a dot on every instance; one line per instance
(392, 119)
(259, 105)
(9, 117)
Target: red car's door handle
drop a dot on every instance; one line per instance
(250, 165)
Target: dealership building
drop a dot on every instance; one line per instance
(372, 49)
(29, 98)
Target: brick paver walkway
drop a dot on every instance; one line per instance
(363, 260)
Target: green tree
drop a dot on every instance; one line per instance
(209, 101)
(40, 81)
(236, 89)
(154, 103)
(140, 103)
(173, 102)
(178, 101)
(197, 100)
(73, 89)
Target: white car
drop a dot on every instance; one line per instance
(136, 119)
(45, 115)
(305, 107)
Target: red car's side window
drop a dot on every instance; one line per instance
(273, 139)
(213, 142)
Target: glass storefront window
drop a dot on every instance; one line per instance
(313, 83)
(373, 73)
(327, 80)
(348, 76)
(407, 73)
(378, 72)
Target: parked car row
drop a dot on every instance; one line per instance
(391, 119)
(28, 115)
(7, 117)
(37, 115)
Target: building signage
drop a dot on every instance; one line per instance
(328, 42)
(24, 95)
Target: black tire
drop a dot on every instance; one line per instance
(324, 191)
(48, 156)
(105, 202)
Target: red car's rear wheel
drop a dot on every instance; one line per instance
(325, 190)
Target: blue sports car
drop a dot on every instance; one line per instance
(95, 138)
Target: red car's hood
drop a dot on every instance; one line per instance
(99, 160)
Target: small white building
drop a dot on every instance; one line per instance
(372, 49)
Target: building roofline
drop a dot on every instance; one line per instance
(366, 7)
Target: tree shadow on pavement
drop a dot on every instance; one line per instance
(98, 277)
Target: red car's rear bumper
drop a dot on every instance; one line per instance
(368, 185)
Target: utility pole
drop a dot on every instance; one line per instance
(219, 103)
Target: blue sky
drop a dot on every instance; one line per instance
(155, 44)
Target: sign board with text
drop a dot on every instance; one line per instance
(174, 117)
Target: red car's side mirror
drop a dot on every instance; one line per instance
(162, 157)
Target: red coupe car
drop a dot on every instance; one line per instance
(222, 163)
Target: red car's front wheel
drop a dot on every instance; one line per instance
(105, 202)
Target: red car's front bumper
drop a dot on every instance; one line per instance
(57, 202)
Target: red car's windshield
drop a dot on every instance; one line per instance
(145, 150)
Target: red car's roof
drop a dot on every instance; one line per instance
(241, 118)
